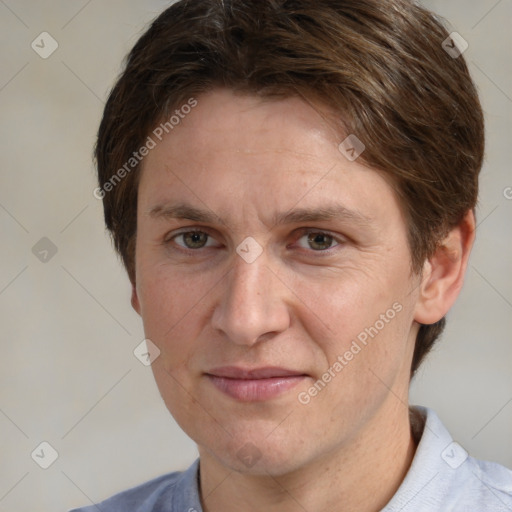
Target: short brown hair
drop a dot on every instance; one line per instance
(378, 64)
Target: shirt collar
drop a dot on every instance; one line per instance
(434, 443)
(431, 461)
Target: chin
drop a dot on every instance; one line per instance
(250, 456)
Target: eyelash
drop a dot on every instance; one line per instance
(302, 232)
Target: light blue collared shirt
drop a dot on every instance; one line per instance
(442, 477)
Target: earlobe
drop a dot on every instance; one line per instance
(135, 299)
(444, 272)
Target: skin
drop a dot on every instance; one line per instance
(299, 305)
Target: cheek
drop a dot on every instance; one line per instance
(364, 363)
(343, 301)
(167, 292)
(359, 324)
(172, 308)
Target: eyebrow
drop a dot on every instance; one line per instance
(295, 216)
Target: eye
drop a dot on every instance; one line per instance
(317, 240)
(193, 239)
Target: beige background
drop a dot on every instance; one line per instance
(68, 375)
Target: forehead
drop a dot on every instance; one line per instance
(236, 152)
(223, 122)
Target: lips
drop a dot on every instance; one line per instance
(233, 372)
(257, 384)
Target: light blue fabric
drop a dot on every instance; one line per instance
(441, 478)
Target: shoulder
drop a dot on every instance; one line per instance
(444, 477)
(140, 498)
(484, 485)
(162, 494)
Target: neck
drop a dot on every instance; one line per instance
(361, 475)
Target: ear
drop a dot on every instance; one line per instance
(443, 273)
(135, 299)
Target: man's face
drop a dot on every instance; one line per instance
(334, 267)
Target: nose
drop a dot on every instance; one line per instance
(252, 304)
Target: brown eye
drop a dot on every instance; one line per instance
(320, 241)
(317, 241)
(192, 239)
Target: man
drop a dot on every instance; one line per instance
(291, 186)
